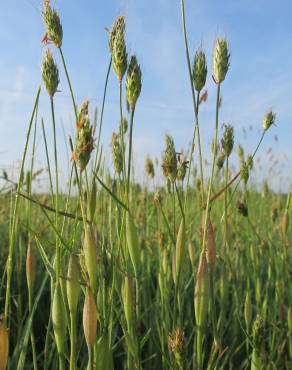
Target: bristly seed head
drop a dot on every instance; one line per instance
(53, 25)
(133, 82)
(227, 141)
(199, 70)
(149, 167)
(119, 25)
(119, 54)
(169, 162)
(221, 60)
(50, 73)
(84, 139)
(269, 120)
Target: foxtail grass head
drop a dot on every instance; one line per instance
(84, 138)
(50, 73)
(119, 53)
(199, 70)
(133, 82)
(269, 120)
(227, 141)
(221, 60)
(169, 162)
(119, 25)
(54, 31)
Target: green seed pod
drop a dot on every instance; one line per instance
(211, 250)
(4, 346)
(132, 242)
(72, 284)
(117, 154)
(59, 318)
(227, 141)
(89, 318)
(128, 300)
(30, 267)
(53, 25)
(119, 54)
(269, 120)
(180, 249)
(202, 292)
(199, 70)
(133, 82)
(50, 73)
(248, 310)
(90, 255)
(221, 59)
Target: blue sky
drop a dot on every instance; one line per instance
(260, 75)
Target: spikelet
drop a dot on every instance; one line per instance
(169, 161)
(4, 345)
(30, 267)
(269, 120)
(221, 59)
(117, 155)
(53, 25)
(50, 73)
(211, 250)
(176, 346)
(244, 172)
(72, 284)
(149, 167)
(227, 141)
(202, 292)
(180, 250)
(119, 54)
(199, 70)
(84, 144)
(119, 25)
(89, 318)
(182, 167)
(59, 318)
(133, 82)
(132, 242)
(90, 255)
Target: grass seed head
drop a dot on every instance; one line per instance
(149, 167)
(89, 318)
(119, 54)
(199, 70)
(133, 82)
(221, 60)
(244, 172)
(117, 155)
(227, 141)
(119, 25)
(240, 153)
(176, 346)
(84, 144)
(169, 162)
(53, 25)
(50, 73)
(269, 120)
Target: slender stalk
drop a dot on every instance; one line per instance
(14, 216)
(195, 103)
(72, 342)
(69, 81)
(130, 153)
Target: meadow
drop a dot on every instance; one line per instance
(193, 273)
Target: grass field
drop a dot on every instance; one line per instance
(194, 273)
